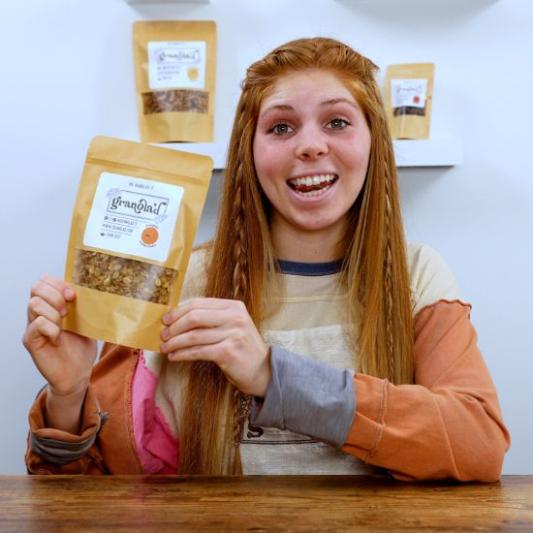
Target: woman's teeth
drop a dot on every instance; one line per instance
(312, 185)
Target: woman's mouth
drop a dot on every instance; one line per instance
(315, 185)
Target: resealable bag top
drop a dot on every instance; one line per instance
(175, 78)
(132, 231)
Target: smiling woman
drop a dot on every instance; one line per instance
(311, 151)
(311, 338)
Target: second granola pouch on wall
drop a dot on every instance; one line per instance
(175, 77)
(408, 99)
(132, 232)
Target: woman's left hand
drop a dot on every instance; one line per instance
(221, 331)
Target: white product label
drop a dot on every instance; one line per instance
(409, 92)
(133, 216)
(176, 64)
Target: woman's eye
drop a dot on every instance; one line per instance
(281, 129)
(338, 123)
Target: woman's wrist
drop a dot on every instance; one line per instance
(263, 380)
(63, 411)
(73, 395)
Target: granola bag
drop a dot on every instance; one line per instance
(175, 78)
(408, 96)
(131, 236)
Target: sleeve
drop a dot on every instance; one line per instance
(448, 424)
(431, 278)
(52, 451)
(307, 397)
(91, 451)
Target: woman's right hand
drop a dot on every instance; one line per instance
(65, 359)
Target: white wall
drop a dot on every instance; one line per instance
(67, 75)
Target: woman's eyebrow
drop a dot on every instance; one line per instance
(333, 101)
(277, 107)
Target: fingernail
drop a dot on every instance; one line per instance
(63, 311)
(167, 318)
(69, 293)
(165, 334)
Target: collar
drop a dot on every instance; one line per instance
(309, 269)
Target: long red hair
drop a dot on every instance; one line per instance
(241, 257)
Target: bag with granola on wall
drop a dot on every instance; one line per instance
(408, 99)
(175, 78)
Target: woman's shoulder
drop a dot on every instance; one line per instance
(196, 275)
(431, 278)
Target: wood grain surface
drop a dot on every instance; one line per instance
(261, 503)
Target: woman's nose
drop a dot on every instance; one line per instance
(311, 144)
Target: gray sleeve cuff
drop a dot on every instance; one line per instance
(59, 452)
(307, 397)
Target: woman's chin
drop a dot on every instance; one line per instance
(314, 225)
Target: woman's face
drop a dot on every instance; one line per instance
(311, 150)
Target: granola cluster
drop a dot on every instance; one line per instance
(125, 277)
(174, 100)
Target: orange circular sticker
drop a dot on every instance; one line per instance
(193, 73)
(149, 235)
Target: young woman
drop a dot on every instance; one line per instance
(310, 338)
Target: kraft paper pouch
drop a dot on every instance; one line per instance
(408, 97)
(175, 77)
(131, 236)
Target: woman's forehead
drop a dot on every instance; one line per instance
(316, 85)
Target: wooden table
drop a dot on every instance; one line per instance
(257, 503)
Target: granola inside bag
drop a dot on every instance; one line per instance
(132, 231)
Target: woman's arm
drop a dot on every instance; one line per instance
(98, 447)
(447, 425)
(53, 451)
